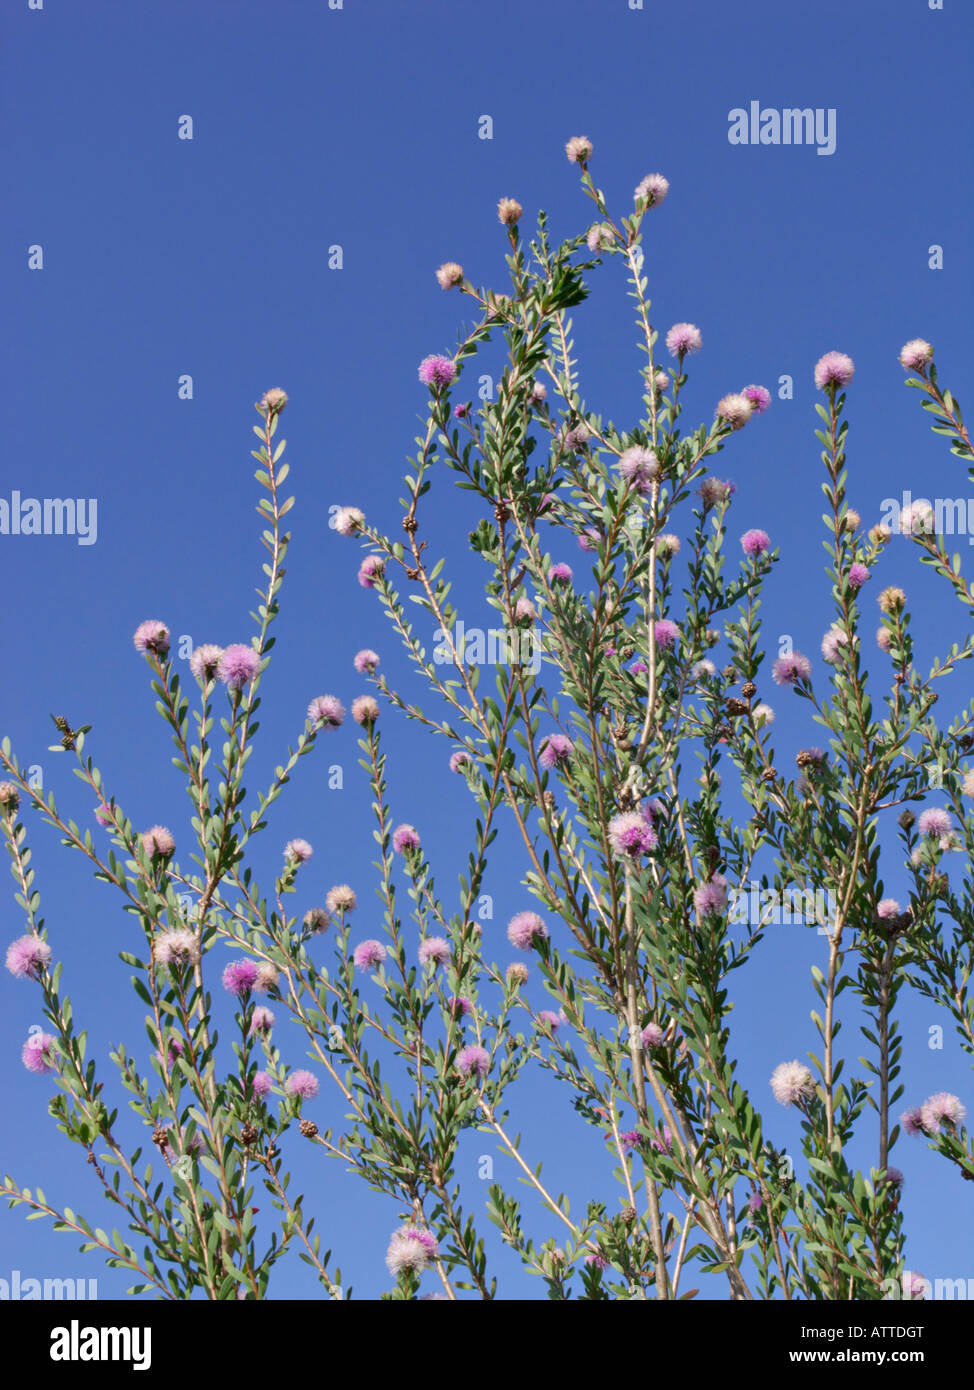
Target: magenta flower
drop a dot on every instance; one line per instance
(596, 1261)
(238, 666)
(437, 371)
(915, 354)
(524, 929)
(368, 954)
(461, 411)
(473, 1061)
(629, 1139)
(755, 542)
(653, 188)
(935, 822)
(460, 1005)
(27, 957)
(759, 396)
(755, 1202)
(589, 540)
(205, 661)
(411, 1248)
(560, 574)
(459, 760)
(683, 338)
(858, 574)
(792, 1082)
(652, 1035)
(834, 369)
(326, 710)
(912, 1120)
(631, 836)
(38, 1053)
(665, 632)
(662, 1143)
(261, 1084)
(639, 667)
(103, 815)
(941, 1110)
(711, 897)
(639, 467)
(261, 1020)
(341, 898)
(373, 567)
(297, 851)
(788, 670)
(302, 1083)
(405, 837)
(152, 636)
(239, 977)
(158, 841)
(435, 949)
(365, 710)
(365, 661)
(556, 751)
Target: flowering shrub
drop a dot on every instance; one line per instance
(629, 853)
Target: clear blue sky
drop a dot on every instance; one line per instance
(359, 127)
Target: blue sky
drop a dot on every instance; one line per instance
(315, 128)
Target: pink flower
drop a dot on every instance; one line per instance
(459, 760)
(683, 338)
(509, 211)
(316, 920)
(524, 611)
(834, 369)
(884, 639)
(538, 393)
(267, 977)
(631, 836)
(639, 467)
(437, 371)
(653, 188)
(327, 710)
(788, 670)
(449, 274)
(734, 410)
(405, 837)
(261, 1020)
(915, 354)
(759, 396)
(365, 710)
(365, 661)
(711, 897)
(935, 822)
(915, 1286)
(755, 542)
(517, 973)
(369, 954)
(27, 957)
(560, 574)
(177, 947)
(348, 521)
(792, 1082)
(600, 236)
(579, 149)
(302, 1083)
(524, 929)
(239, 977)
(652, 1035)
(912, 1120)
(297, 851)
(473, 1061)
(888, 908)
(103, 815)
(596, 1261)
(833, 640)
(435, 949)
(713, 491)
(373, 567)
(205, 661)
(940, 1110)
(158, 841)
(261, 1084)
(152, 636)
(662, 1143)
(556, 751)
(273, 400)
(38, 1054)
(665, 632)
(339, 899)
(460, 1005)
(589, 540)
(858, 574)
(411, 1248)
(238, 665)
